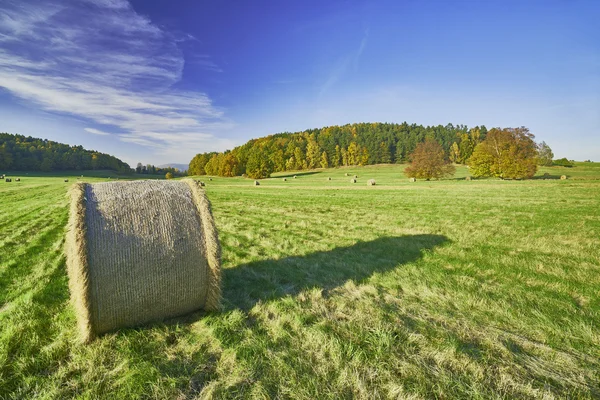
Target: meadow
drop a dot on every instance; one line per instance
(481, 289)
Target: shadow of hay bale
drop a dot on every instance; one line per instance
(247, 284)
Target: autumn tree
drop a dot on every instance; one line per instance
(507, 153)
(337, 158)
(353, 154)
(544, 154)
(324, 160)
(455, 153)
(259, 164)
(428, 161)
(228, 165)
(312, 152)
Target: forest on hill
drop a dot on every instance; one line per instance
(335, 146)
(25, 153)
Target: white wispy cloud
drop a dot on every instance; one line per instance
(344, 63)
(100, 60)
(96, 131)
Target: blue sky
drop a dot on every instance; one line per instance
(159, 81)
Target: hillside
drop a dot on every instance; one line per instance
(25, 153)
(333, 146)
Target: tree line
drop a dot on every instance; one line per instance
(25, 153)
(336, 146)
(151, 169)
(509, 153)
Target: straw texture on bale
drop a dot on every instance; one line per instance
(140, 251)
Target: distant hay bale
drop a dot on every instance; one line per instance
(256, 183)
(412, 180)
(140, 251)
(347, 174)
(563, 177)
(17, 179)
(468, 178)
(294, 176)
(356, 176)
(371, 182)
(7, 180)
(352, 180)
(210, 179)
(284, 179)
(202, 183)
(328, 178)
(66, 180)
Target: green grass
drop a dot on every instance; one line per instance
(443, 289)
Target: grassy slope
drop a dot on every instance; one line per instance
(481, 289)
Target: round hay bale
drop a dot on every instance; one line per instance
(210, 179)
(468, 178)
(17, 179)
(352, 180)
(329, 178)
(66, 180)
(202, 183)
(355, 176)
(285, 179)
(412, 180)
(256, 183)
(563, 177)
(371, 182)
(347, 174)
(140, 251)
(294, 176)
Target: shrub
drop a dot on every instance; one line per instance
(563, 162)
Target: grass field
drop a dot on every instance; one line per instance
(444, 289)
